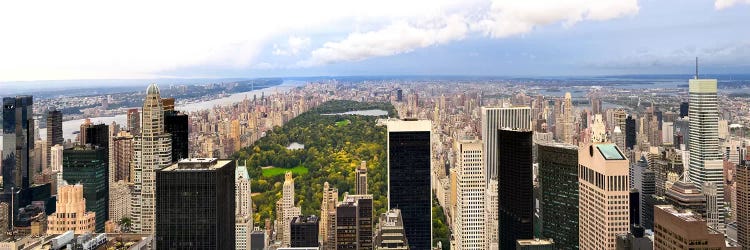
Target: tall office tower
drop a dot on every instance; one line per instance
(243, 207)
(304, 231)
(119, 201)
(667, 133)
(168, 104)
(122, 155)
(596, 105)
(516, 204)
(134, 121)
(469, 218)
(565, 124)
(598, 129)
(18, 134)
(390, 234)
(490, 216)
(558, 180)
(346, 226)
(643, 178)
(56, 163)
(603, 195)
(54, 128)
(634, 201)
(713, 215)
(328, 216)
(176, 124)
(399, 95)
(630, 132)
(616, 118)
(152, 151)
(99, 135)
(706, 165)
(494, 119)
(194, 204)
(684, 109)
(682, 132)
(742, 180)
(618, 137)
(71, 212)
(364, 219)
(675, 229)
(409, 154)
(82, 131)
(87, 165)
(361, 175)
(287, 209)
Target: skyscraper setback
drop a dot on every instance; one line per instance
(409, 154)
(152, 152)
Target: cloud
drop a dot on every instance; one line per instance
(723, 4)
(293, 47)
(727, 55)
(495, 19)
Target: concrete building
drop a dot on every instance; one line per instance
(242, 231)
(71, 212)
(742, 180)
(328, 217)
(390, 234)
(361, 178)
(494, 119)
(243, 207)
(674, 229)
(286, 211)
(119, 200)
(194, 205)
(706, 165)
(152, 151)
(490, 216)
(409, 165)
(469, 219)
(603, 195)
(122, 157)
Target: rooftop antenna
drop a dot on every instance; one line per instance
(696, 67)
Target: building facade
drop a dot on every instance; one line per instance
(558, 180)
(470, 191)
(71, 212)
(304, 231)
(515, 187)
(494, 119)
(675, 229)
(87, 165)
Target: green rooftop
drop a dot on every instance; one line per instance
(610, 152)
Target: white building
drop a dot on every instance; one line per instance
(243, 208)
(494, 119)
(491, 216)
(470, 195)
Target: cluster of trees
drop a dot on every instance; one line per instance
(331, 154)
(440, 231)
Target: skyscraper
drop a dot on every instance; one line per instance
(516, 188)
(630, 132)
(287, 210)
(409, 155)
(742, 180)
(18, 149)
(122, 150)
(87, 165)
(565, 123)
(490, 216)
(706, 165)
(558, 180)
(176, 124)
(194, 205)
(361, 178)
(603, 195)
(390, 233)
(153, 150)
(304, 231)
(494, 119)
(54, 129)
(328, 216)
(675, 229)
(346, 226)
(243, 208)
(71, 213)
(134, 121)
(470, 224)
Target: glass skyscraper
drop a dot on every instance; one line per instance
(18, 134)
(558, 180)
(515, 187)
(88, 166)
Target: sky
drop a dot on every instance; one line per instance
(63, 40)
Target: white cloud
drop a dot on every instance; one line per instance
(79, 39)
(723, 4)
(293, 47)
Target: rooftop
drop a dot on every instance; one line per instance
(409, 125)
(189, 164)
(535, 242)
(610, 151)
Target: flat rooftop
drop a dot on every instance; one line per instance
(192, 164)
(409, 125)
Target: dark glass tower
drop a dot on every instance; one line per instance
(87, 165)
(515, 187)
(304, 231)
(54, 129)
(195, 205)
(558, 180)
(684, 107)
(630, 135)
(409, 179)
(18, 134)
(176, 124)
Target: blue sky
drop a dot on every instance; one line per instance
(140, 39)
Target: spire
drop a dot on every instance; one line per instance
(696, 67)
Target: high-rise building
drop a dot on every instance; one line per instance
(119, 201)
(565, 123)
(54, 129)
(346, 226)
(122, 150)
(558, 180)
(176, 124)
(18, 134)
(643, 179)
(604, 204)
(409, 165)
(494, 119)
(684, 109)
(390, 234)
(516, 188)
(674, 229)
(56, 164)
(134, 121)
(630, 132)
(363, 204)
(742, 180)
(706, 164)
(328, 217)
(152, 151)
(361, 178)
(243, 207)
(286, 211)
(304, 231)
(469, 218)
(82, 135)
(194, 205)
(490, 216)
(87, 165)
(685, 195)
(71, 213)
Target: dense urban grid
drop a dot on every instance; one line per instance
(382, 163)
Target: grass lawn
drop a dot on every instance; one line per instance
(274, 171)
(343, 123)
